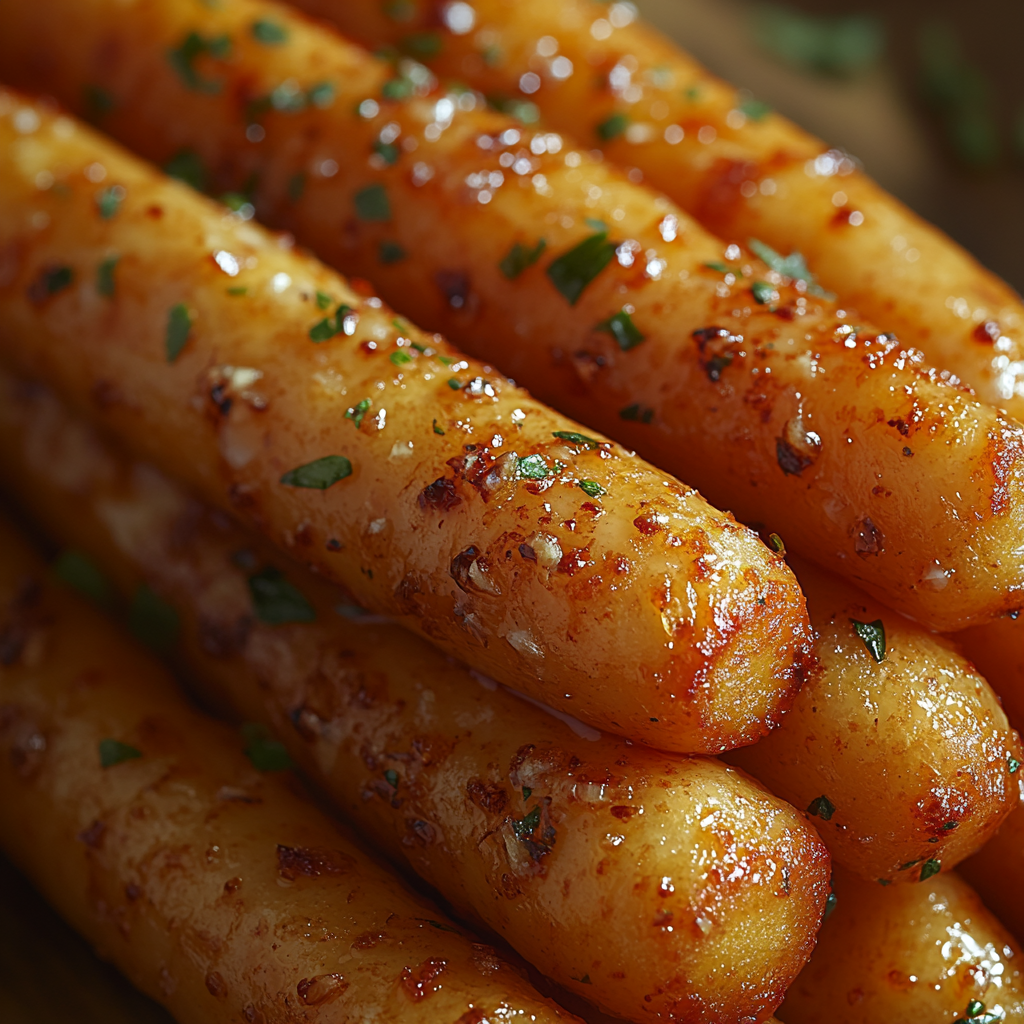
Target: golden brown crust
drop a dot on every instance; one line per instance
(628, 876)
(219, 890)
(743, 171)
(907, 954)
(901, 756)
(482, 519)
(779, 409)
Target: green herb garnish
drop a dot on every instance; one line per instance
(793, 266)
(1012, 764)
(319, 474)
(571, 272)
(437, 429)
(183, 57)
(390, 252)
(637, 412)
(821, 807)
(179, 326)
(873, 635)
(372, 204)
(324, 330)
(519, 257)
(533, 467)
(387, 151)
(323, 300)
(613, 127)
(830, 905)
(522, 110)
(266, 753)
(321, 95)
(930, 867)
(108, 201)
(755, 110)
(358, 411)
(105, 276)
(576, 438)
(276, 601)
(622, 329)
(186, 166)
(527, 792)
(776, 544)
(392, 778)
(80, 573)
(153, 620)
(269, 32)
(592, 488)
(115, 752)
(762, 292)
(527, 824)
(400, 358)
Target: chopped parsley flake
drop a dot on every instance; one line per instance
(423, 44)
(397, 89)
(830, 905)
(153, 620)
(179, 327)
(571, 272)
(323, 300)
(637, 412)
(527, 824)
(754, 110)
(266, 753)
(276, 601)
(320, 473)
(372, 204)
(437, 429)
(324, 330)
(238, 289)
(1012, 764)
(873, 635)
(527, 792)
(522, 110)
(108, 201)
(392, 778)
(718, 267)
(400, 358)
(269, 32)
(454, 384)
(80, 573)
(592, 488)
(776, 544)
(622, 329)
(576, 438)
(390, 252)
(184, 56)
(186, 166)
(358, 411)
(930, 867)
(105, 276)
(976, 1014)
(519, 257)
(533, 467)
(821, 807)
(115, 752)
(53, 280)
(793, 266)
(762, 292)
(387, 151)
(321, 95)
(613, 127)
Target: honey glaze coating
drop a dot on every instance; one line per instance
(898, 748)
(645, 882)
(598, 294)
(744, 172)
(219, 890)
(427, 483)
(908, 954)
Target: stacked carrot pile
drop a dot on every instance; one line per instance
(507, 648)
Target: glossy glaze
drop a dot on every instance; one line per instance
(778, 410)
(913, 753)
(220, 891)
(640, 878)
(742, 170)
(908, 954)
(590, 580)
